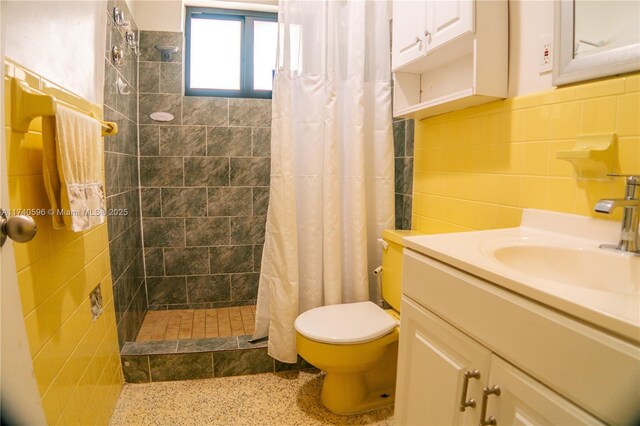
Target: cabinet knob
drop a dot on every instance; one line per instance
(427, 33)
(418, 40)
(464, 403)
(486, 391)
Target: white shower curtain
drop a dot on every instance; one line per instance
(332, 179)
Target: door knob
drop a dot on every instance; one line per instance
(19, 228)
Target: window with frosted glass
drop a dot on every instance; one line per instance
(230, 53)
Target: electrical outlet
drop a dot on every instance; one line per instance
(545, 53)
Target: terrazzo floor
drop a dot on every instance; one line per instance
(278, 399)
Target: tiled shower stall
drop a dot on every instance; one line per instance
(196, 190)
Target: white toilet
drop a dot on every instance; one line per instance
(356, 344)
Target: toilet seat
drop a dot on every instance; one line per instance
(345, 323)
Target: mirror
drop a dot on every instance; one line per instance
(595, 38)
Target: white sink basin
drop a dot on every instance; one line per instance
(554, 259)
(595, 269)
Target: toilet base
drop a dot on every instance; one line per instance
(351, 395)
(359, 377)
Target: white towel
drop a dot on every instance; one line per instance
(73, 170)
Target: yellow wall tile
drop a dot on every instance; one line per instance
(536, 158)
(564, 120)
(605, 87)
(510, 162)
(628, 116)
(628, 156)
(632, 83)
(599, 115)
(536, 124)
(75, 359)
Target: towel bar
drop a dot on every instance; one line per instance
(25, 106)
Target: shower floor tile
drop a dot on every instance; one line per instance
(182, 324)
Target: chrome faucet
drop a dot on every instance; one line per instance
(629, 240)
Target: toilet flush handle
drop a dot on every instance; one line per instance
(385, 245)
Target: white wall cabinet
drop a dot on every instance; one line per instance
(549, 368)
(448, 20)
(408, 39)
(448, 55)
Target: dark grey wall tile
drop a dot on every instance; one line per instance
(261, 140)
(149, 39)
(160, 103)
(241, 362)
(399, 210)
(150, 140)
(399, 138)
(207, 231)
(229, 201)
(257, 257)
(151, 202)
(409, 138)
(164, 232)
(208, 287)
(183, 140)
(205, 111)
(166, 290)
(404, 175)
(117, 224)
(111, 173)
(150, 347)
(260, 200)
(154, 262)
(250, 171)
(244, 286)
(110, 88)
(126, 102)
(186, 261)
(181, 366)
(208, 345)
(228, 141)
(247, 230)
(149, 77)
(226, 259)
(206, 171)
(170, 77)
(407, 201)
(249, 112)
(161, 171)
(184, 202)
(408, 176)
(136, 369)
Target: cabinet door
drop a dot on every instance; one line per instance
(448, 19)
(524, 401)
(409, 24)
(433, 357)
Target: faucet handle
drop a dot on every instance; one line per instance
(631, 179)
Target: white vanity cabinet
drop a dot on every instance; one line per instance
(549, 368)
(448, 54)
(436, 360)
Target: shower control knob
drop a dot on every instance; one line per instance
(19, 228)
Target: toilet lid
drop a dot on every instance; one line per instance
(345, 323)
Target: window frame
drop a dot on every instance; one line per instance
(246, 19)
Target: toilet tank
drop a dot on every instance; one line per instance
(392, 266)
